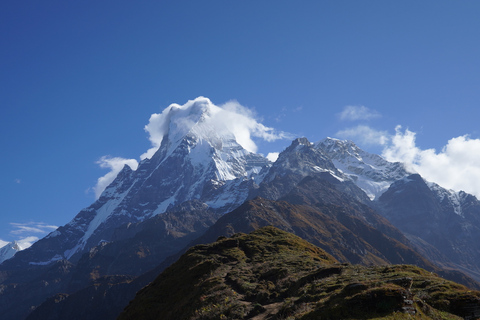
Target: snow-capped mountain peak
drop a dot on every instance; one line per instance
(449, 198)
(200, 120)
(199, 158)
(370, 172)
(194, 118)
(9, 250)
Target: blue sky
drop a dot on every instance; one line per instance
(80, 79)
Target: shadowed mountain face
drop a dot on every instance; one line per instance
(347, 229)
(428, 214)
(110, 266)
(274, 274)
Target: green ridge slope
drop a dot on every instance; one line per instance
(272, 274)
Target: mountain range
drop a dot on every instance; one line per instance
(202, 184)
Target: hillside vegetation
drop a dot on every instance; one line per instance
(272, 274)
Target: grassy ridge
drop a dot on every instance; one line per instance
(272, 274)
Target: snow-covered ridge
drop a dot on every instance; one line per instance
(57, 257)
(448, 197)
(370, 172)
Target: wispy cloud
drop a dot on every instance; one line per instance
(115, 165)
(456, 166)
(27, 233)
(365, 135)
(27, 242)
(298, 109)
(31, 227)
(355, 113)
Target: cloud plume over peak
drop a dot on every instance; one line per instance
(229, 118)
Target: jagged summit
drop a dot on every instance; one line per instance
(369, 171)
(196, 120)
(302, 158)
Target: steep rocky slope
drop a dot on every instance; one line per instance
(429, 214)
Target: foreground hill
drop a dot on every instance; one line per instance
(274, 274)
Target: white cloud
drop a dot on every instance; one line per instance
(298, 109)
(27, 242)
(230, 116)
(273, 156)
(354, 113)
(27, 233)
(31, 227)
(456, 166)
(242, 122)
(157, 127)
(365, 135)
(115, 165)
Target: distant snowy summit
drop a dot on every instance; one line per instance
(9, 250)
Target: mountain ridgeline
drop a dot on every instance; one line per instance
(201, 184)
